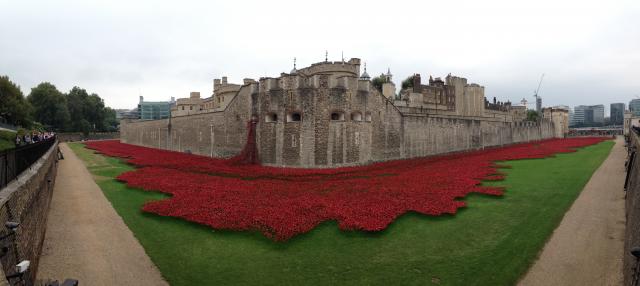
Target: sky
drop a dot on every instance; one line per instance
(589, 51)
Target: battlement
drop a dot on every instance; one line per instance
(298, 81)
(453, 80)
(222, 85)
(351, 67)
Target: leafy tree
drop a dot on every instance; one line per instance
(110, 121)
(532, 115)
(378, 81)
(90, 108)
(76, 99)
(50, 106)
(95, 112)
(84, 126)
(14, 108)
(408, 82)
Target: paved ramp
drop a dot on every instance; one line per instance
(86, 239)
(587, 248)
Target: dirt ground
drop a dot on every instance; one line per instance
(86, 239)
(587, 247)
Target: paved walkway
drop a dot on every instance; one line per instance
(587, 247)
(86, 239)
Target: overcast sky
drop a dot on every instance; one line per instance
(588, 50)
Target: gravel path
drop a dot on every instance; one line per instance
(86, 239)
(587, 247)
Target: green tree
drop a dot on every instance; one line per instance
(14, 108)
(95, 112)
(50, 106)
(110, 121)
(89, 107)
(532, 115)
(378, 81)
(408, 82)
(76, 99)
(84, 126)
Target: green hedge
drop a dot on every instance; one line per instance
(7, 139)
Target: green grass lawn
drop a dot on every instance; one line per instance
(491, 242)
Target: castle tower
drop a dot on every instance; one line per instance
(388, 76)
(365, 75)
(389, 88)
(294, 70)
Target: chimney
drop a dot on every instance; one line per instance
(216, 84)
(417, 83)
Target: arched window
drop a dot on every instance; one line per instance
(271, 117)
(337, 116)
(356, 116)
(294, 117)
(367, 116)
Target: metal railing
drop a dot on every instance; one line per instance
(14, 161)
(5, 125)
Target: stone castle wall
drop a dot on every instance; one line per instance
(343, 122)
(215, 134)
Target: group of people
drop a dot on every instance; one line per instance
(33, 137)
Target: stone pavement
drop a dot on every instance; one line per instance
(86, 239)
(587, 248)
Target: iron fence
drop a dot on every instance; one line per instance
(14, 161)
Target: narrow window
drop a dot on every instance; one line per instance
(294, 117)
(271, 117)
(337, 116)
(356, 116)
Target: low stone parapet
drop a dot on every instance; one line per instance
(25, 200)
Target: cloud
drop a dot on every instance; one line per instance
(589, 50)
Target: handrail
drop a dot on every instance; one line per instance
(14, 161)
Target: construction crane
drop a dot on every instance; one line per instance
(538, 98)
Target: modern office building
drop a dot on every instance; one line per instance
(634, 107)
(616, 113)
(152, 110)
(127, 114)
(588, 115)
(598, 113)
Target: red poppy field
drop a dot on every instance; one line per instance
(284, 202)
